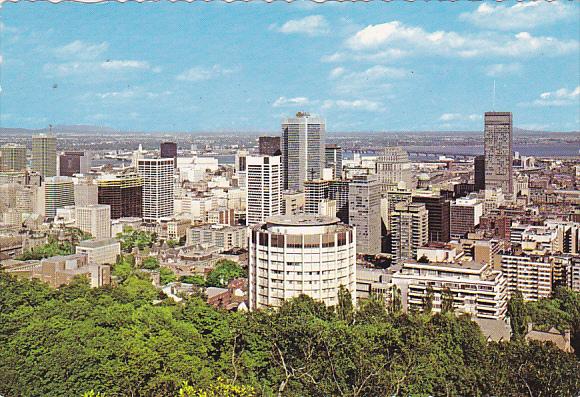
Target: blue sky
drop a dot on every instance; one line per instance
(243, 66)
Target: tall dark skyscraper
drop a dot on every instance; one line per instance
(498, 151)
(269, 145)
(123, 192)
(168, 150)
(479, 168)
(439, 216)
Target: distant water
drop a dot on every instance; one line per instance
(539, 150)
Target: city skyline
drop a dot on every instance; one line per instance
(359, 66)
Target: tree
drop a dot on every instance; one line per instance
(220, 388)
(166, 276)
(423, 259)
(428, 300)
(195, 279)
(345, 308)
(150, 263)
(396, 300)
(517, 312)
(223, 273)
(447, 303)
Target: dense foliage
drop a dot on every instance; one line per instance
(52, 248)
(223, 273)
(114, 341)
(133, 238)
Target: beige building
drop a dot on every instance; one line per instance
(300, 254)
(530, 275)
(498, 151)
(409, 230)
(101, 251)
(364, 213)
(292, 202)
(12, 157)
(477, 289)
(392, 167)
(94, 219)
(44, 155)
(221, 236)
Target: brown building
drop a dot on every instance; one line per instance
(71, 163)
(439, 216)
(269, 145)
(168, 150)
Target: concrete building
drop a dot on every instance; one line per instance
(12, 157)
(269, 146)
(529, 275)
(240, 166)
(44, 155)
(498, 148)
(477, 289)
(61, 270)
(302, 146)
(73, 162)
(292, 203)
(94, 219)
(57, 192)
(263, 188)
(86, 192)
(439, 215)
(409, 230)
(223, 237)
(123, 191)
(302, 254)
(392, 167)
(333, 160)
(157, 175)
(465, 214)
(364, 212)
(101, 252)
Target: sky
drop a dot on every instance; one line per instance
(379, 66)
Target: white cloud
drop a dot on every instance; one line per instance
(523, 15)
(117, 65)
(283, 101)
(127, 94)
(373, 79)
(560, 97)
(357, 104)
(200, 73)
(395, 35)
(80, 50)
(503, 69)
(460, 117)
(337, 72)
(312, 25)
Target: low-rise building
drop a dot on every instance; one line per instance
(530, 275)
(100, 252)
(221, 236)
(477, 288)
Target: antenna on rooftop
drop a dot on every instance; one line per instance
(493, 100)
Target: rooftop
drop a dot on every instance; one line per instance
(97, 243)
(302, 220)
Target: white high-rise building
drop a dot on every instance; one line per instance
(303, 149)
(57, 192)
(300, 254)
(364, 213)
(498, 151)
(392, 167)
(264, 181)
(157, 175)
(94, 219)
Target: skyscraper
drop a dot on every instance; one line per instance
(302, 148)
(58, 192)
(168, 150)
(240, 167)
(123, 191)
(439, 215)
(498, 151)
(269, 145)
(479, 171)
(392, 167)
(364, 212)
(409, 230)
(333, 159)
(317, 191)
(76, 162)
(44, 155)
(13, 157)
(263, 188)
(94, 219)
(157, 175)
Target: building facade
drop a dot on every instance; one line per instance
(57, 192)
(157, 175)
(263, 188)
(464, 216)
(333, 160)
(302, 254)
(392, 167)
(364, 212)
(302, 146)
(44, 155)
(498, 148)
(439, 216)
(269, 146)
(123, 191)
(101, 251)
(13, 157)
(223, 237)
(73, 162)
(94, 219)
(409, 230)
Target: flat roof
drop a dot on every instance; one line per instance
(97, 243)
(302, 220)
